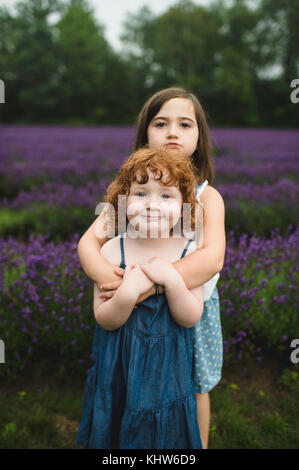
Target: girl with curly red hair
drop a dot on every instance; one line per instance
(139, 393)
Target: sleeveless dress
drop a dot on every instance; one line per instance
(208, 342)
(139, 393)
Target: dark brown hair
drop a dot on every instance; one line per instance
(181, 173)
(202, 156)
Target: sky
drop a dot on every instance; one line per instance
(111, 13)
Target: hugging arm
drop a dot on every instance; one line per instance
(207, 260)
(95, 266)
(201, 265)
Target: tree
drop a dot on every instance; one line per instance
(238, 62)
(204, 49)
(282, 18)
(6, 57)
(33, 60)
(84, 55)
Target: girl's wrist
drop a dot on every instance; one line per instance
(159, 289)
(127, 290)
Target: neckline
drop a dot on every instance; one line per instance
(123, 261)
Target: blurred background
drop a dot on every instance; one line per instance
(75, 75)
(60, 66)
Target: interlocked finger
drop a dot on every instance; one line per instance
(110, 285)
(107, 294)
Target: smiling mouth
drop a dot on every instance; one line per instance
(152, 217)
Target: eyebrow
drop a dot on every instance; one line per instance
(166, 119)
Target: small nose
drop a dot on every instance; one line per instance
(152, 202)
(172, 130)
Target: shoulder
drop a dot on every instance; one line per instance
(210, 193)
(211, 199)
(111, 250)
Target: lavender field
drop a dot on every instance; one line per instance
(51, 180)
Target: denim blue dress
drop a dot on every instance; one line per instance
(139, 393)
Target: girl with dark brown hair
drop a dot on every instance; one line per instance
(174, 118)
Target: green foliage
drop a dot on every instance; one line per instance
(65, 345)
(35, 414)
(54, 221)
(64, 71)
(32, 62)
(218, 52)
(83, 54)
(290, 379)
(224, 52)
(244, 218)
(61, 223)
(263, 312)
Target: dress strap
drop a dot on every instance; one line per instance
(201, 187)
(186, 247)
(123, 262)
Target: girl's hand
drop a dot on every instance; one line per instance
(109, 288)
(136, 279)
(160, 271)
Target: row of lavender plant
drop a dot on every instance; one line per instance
(285, 192)
(60, 209)
(34, 155)
(46, 301)
(52, 172)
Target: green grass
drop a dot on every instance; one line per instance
(257, 411)
(41, 219)
(40, 414)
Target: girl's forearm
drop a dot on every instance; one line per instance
(198, 267)
(194, 273)
(185, 308)
(114, 313)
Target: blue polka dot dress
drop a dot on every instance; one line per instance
(208, 342)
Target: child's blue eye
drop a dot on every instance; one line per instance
(165, 195)
(140, 192)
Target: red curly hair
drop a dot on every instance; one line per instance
(181, 173)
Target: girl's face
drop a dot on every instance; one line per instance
(155, 207)
(174, 126)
